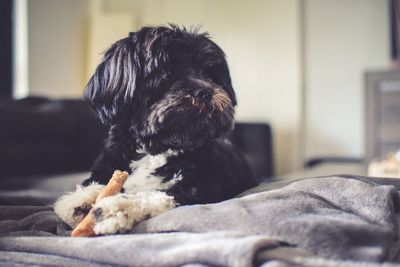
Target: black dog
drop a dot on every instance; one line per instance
(166, 95)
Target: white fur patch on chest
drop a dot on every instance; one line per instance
(142, 178)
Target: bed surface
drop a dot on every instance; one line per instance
(330, 221)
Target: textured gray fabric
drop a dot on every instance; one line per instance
(30, 221)
(332, 221)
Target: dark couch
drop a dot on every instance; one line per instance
(42, 136)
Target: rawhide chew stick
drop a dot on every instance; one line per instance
(85, 227)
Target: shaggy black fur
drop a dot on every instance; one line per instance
(169, 88)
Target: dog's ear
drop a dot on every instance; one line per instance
(218, 70)
(230, 90)
(111, 89)
(222, 75)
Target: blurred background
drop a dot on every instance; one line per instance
(299, 66)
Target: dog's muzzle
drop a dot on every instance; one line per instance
(211, 99)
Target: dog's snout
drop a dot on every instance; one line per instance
(203, 94)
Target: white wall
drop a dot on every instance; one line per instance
(57, 44)
(20, 50)
(342, 39)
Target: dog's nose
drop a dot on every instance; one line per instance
(203, 94)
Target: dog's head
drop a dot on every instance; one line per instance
(167, 86)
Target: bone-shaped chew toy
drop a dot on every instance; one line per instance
(85, 227)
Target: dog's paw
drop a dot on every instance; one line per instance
(74, 206)
(119, 213)
(115, 214)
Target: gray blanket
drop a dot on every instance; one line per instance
(332, 221)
